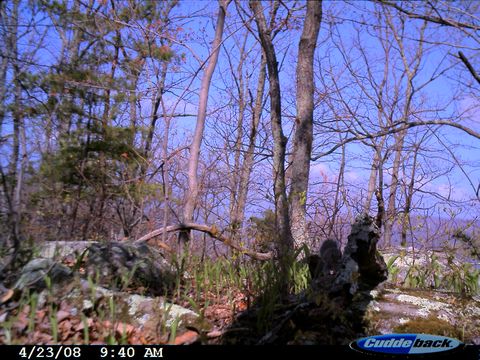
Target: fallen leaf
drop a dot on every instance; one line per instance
(40, 315)
(62, 315)
(3, 317)
(6, 296)
(241, 305)
(81, 325)
(21, 323)
(186, 338)
(65, 328)
(124, 328)
(214, 334)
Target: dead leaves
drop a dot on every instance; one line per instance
(6, 296)
(187, 338)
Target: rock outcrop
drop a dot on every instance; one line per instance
(153, 316)
(35, 273)
(424, 311)
(140, 264)
(114, 265)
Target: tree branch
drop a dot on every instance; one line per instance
(469, 66)
(433, 19)
(393, 130)
(213, 231)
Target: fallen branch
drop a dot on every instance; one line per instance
(213, 231)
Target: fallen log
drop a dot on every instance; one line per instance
(213, 231)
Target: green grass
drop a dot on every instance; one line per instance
(200, 283)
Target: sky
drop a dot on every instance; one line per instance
(343, 18)
(464, 147)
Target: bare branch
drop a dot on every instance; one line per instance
(469, 66)
(394, 130)
(433, 19)
(213, 231)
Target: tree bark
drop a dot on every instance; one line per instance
(19, 138)
(391, 207)
(372, 182)
(411, 69)
(3, 73)
(239, 213)
(234, 179)
(302, 145)
(282, 217)
(409, 191)
(192, 194)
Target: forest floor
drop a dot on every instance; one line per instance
(213, 304)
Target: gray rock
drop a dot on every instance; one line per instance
(142, 309)
(61, 249)
(136, 264)
(152, 315)
(437, 311)
(433, 268)
(34, 273)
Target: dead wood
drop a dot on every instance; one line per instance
(213, 231)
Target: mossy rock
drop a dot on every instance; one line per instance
(429, 325)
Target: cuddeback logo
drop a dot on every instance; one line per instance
(405, 344)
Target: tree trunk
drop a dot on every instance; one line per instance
(409, 191)
(165, 176)
(302, 145)
(282, 217)
(340, 188)
(234, 179)
(372, 182)
(192, 194)
(19, 137)
(411, 68)
(391, 208)
(156, 101)
(239, 213)
(3, 82)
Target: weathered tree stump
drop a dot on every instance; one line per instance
(362, 267)
(359, 268)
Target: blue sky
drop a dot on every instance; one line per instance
(342, 17)
(463, 146)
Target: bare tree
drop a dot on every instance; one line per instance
(411, 68)
(302, 143)
(192, 194)
(280, 141)
(246, 169)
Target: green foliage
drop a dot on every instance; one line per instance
(91, 165)
(90, 156)
(462, 277)
(263, 231)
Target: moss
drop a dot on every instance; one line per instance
(431, 325)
